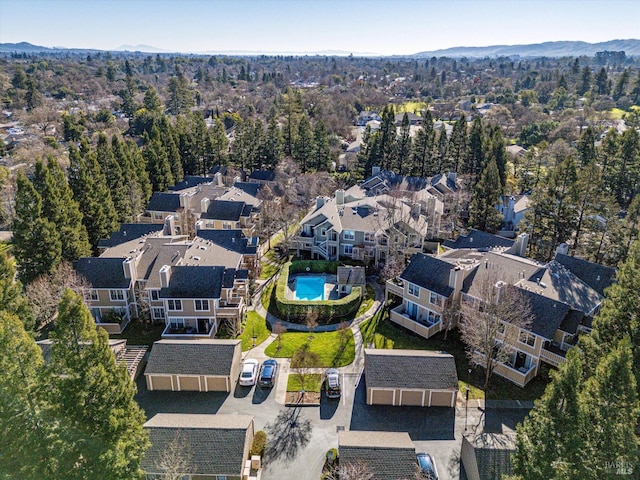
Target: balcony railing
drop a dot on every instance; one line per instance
(520, 376)
(394, 287)
(423, 325)
(552, 358)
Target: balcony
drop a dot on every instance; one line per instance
(395, 286)
(190, 328)
(232, 307)
(424, 325)
(520, 376)
(553, 355)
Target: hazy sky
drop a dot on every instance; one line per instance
(384, 27)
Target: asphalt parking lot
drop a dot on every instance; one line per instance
(299, 437)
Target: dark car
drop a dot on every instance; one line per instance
(332, 383)
(268, 372)
(427, 466)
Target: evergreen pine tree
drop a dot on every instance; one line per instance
(482, 212)
(219, 144)
(497, 151)
(140, 167)
(157, 163)
(272, 145)
(458, 145)
(442, 162)
(321, 151)
(303, 145)
(37, 245)
(115, 180)
(474, 161)
(132, 188)
(93, 396)
(11, 298)
(404, 146)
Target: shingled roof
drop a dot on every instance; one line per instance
(192, 357)
(214, 444)
(420, 369)
(263, 175)
(478, 240)
(233, 240)
(595, 275)
(387, 455)
(164, 202)
(350, 275)
(103, 272)
(430, 273)
(190, 181)
(225, 210)
(128, 232)
(194, 282)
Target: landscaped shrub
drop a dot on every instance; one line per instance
(297, 310)
(259, 443)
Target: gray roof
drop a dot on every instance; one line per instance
(263, 175)
(387, 455)
(430, 273)
(224, 210)
(164, 202)
(595, 275)
(194, 281)
(479, 240)
(130, 231)
(213, 444)
(250, 188)
(493, 454)
(197, 357)
(102, 272)
(190, 181)
(233, 240)
(547, 313)
(419, 369)
(351, 276)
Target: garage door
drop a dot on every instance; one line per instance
(217, 384)
(381, 397)
(411, 398)
(159, 382)
(190, 384)
(441, 399)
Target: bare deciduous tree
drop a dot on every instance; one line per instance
(45, 291)
(490, 325)
(278, 329)
(358, 470)
(311, 321)
(304, 362)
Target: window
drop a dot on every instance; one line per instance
(433, 317)
(157, 313)
(414, 290)
(226, 226)
(348, 249)
(174, 305)
(323, 232)
(435, 299)
(501, 328)
(202, 305)
(528, 338)
(349, 235)
(116, 294)
(154, 294)
(369, 237)
(90, 295)
(157, 215)
(176, 322)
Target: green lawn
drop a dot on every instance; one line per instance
(267, 296)
(255, 326)
(385, 334)
(268, 270)
(332, 349)
(367, 301)
(138, 333)
(312, 383)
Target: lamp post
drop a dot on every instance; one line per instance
(466, 403)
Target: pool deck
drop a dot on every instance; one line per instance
(330, 285)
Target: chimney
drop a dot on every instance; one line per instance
(563, 249)
(129, 268)
(375, 170)
(522, 242)
(165, 276)
(204, 205)
(456, 277)
(169, 225)
(340, 197)
(319, 202)
(237, 179)
(218, 179)
(452, 177)
(184, 200)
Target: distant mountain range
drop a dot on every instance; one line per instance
(546, 49)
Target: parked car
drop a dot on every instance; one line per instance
(249, 373)
(427, 466)
(332, 383)
(268, 372)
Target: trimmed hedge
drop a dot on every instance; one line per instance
(259, 443)
(297, 310)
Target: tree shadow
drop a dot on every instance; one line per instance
(500, 420)
(287, 434)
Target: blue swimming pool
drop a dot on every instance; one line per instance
(310, 288)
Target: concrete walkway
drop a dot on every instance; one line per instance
(284, 364)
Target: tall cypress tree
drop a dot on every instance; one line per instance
(303, 145)
(11, 298)
(115, 179)
(474, 161)
(37, 245)
(93, 396)
(157, 163)
(404, 146)
(321, 153)
(219, 144)
(458, 145)
(61, 209)
(482, 212)
(132, 189)
(140, 168)
(272, 145)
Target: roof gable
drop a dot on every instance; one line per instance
(164, 202)
(103, 272)
(194, 282)
(595, 275)
(429, 273)
(225, 210)
(479, 240)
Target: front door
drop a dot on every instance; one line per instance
(203, 325)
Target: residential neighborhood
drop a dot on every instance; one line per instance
(307, 252)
